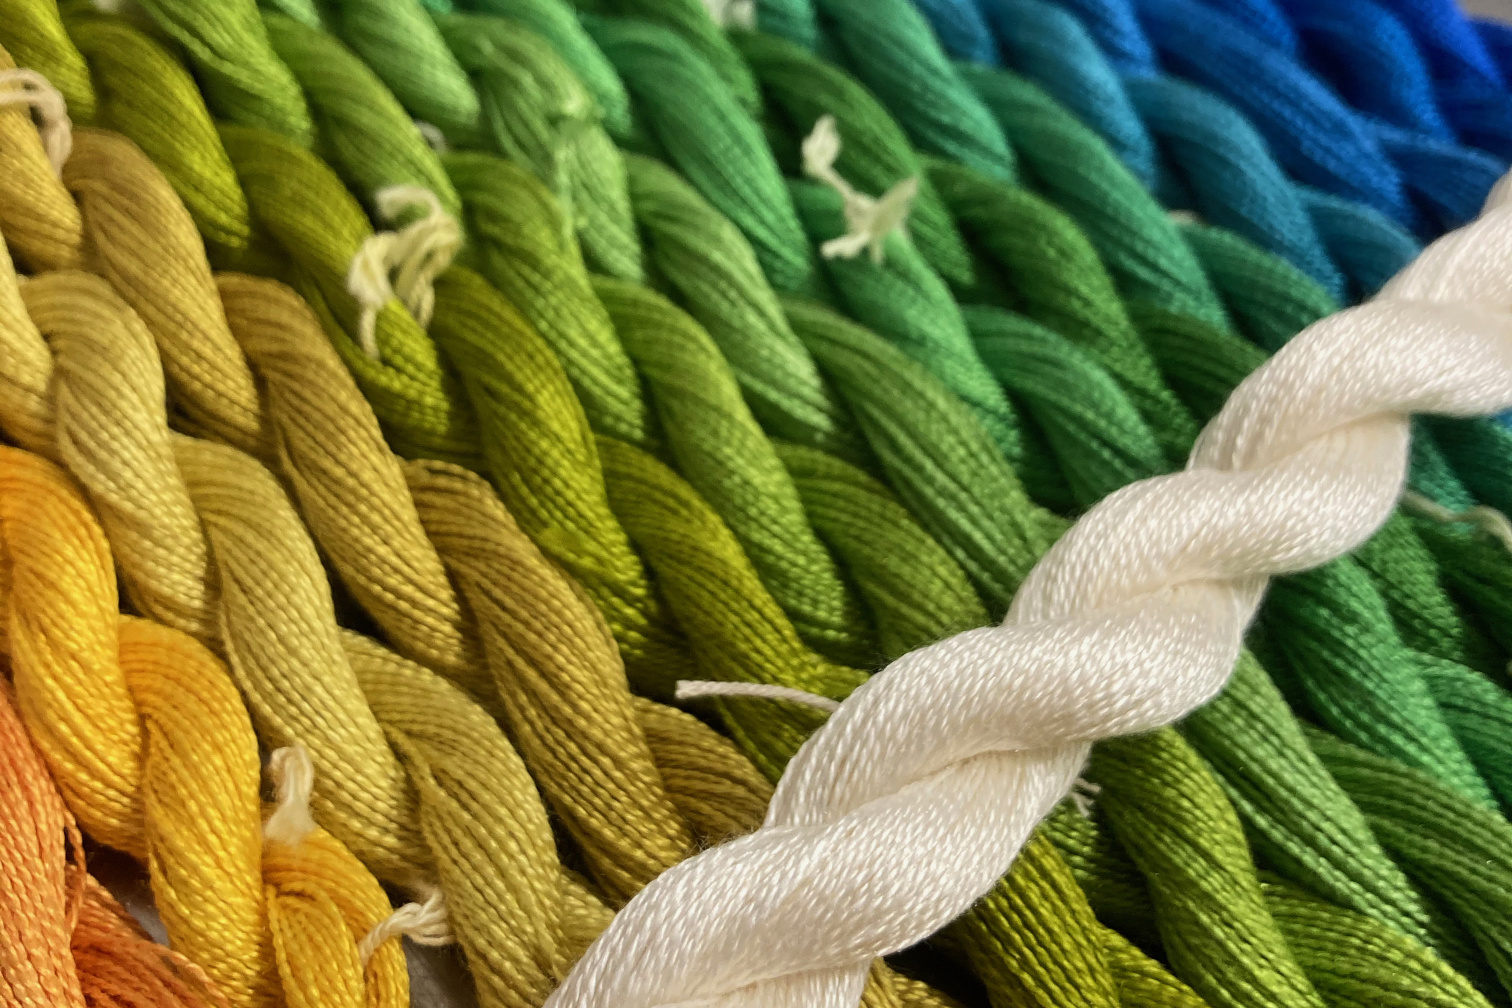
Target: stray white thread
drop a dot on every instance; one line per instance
(1185, 216)
(413, 257)
(1084, 796)
(732, 13)
(433, 136)
(692, 689)
(1487, 519)
(917, 794)
(294, 778)
(425, 923)
(869, 221)
(27, 87)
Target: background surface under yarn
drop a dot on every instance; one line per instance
(1495, 8)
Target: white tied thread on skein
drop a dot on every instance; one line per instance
(869, 220)
(732, 13)
(293, 777)
(424, 923)
(1487, 519)
(27, 87)
(413, 256)
(917, 794)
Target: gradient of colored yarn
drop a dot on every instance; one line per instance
(794, 529)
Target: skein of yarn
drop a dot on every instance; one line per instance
(64, 940)
(1295, 445)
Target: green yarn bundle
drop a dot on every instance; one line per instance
(770, 466)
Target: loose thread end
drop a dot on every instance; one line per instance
(1084, 796)
(693, 689)
(433, 136)
(732, 13)
(424, 923)
(27, 87)
(1486, 519)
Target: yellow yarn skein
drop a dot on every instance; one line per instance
(153, 751)
(460, 806)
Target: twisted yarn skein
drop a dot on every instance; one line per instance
(331, 449)
(147, 735)
(63, 939)
(1352, 451)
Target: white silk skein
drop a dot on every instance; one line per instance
(920, 790)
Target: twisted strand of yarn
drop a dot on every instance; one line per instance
(712, 753)
(330, 448)
(63, 939)
(1179, 606)
(134, 719)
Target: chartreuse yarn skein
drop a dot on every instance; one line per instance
(150, 743)
(63, 939)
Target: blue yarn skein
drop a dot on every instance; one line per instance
(1212, 156)
(1442, 83)
(1313, 133)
